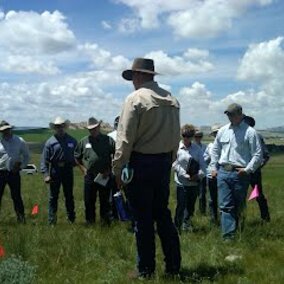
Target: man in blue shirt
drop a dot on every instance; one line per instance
(238, 152)
(57, 166)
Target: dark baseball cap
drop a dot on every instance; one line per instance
(234, 109)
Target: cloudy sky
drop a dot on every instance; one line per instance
(65, 57)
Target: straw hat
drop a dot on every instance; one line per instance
(5, 125)
(93, 122)
(59, 121)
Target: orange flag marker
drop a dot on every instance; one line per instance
(2, 251)
(35, 209)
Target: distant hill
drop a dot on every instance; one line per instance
(276, 129)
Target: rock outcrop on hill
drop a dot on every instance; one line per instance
(106, 127)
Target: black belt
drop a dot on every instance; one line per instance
(158, 155)
(230, 168)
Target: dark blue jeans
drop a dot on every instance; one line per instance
(202, 196)
(256, 179)
(232, 199)
(14, 182)
(64, 177)
(213, 201)
(90, 196)
(148, 195)
(186, 198)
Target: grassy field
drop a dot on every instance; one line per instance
(79, 254)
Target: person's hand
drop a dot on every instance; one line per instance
(47, 179)
(241, 171)
(214, 174)
(106, 173)
(194, 178)
(16, 167)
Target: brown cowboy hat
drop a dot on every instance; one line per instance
(143, 65)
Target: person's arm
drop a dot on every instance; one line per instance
(265, 152)
(126, 135)
(177, 167)
(202, 166)
(255, 151)
(78, 155)
(45, 162)
(206, 156)
(25, 154)
(215, 154)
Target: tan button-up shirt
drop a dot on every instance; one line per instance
(149, 124)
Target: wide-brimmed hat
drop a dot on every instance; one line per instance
(59, 121)
(215, 128)
(143, 65)
(4, 125)
(93, 122)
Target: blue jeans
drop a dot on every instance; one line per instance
(64, 177)
(148, 195)
(213, 201)
(186, 198)
(202, 195)
(232, 199)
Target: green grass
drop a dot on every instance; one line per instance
(77, 254)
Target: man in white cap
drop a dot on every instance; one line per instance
(14, 155)
(57, 166)
(148, 138)
(237, 151)
(93, 156)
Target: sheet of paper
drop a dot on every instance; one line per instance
(101, 180)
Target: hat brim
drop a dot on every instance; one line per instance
(128, 74)
(65, 123)
(5, 127)
(92, 126)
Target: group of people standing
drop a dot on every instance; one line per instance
(148, 141)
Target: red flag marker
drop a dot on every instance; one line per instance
(2, 251)
(254, 194)
(35, 210)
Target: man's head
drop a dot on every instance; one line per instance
(214, 130)
(94, 126)
(198, 136)
(6, 129)
(187, 133)
(59, 125)
(235, 113)
(142, 71)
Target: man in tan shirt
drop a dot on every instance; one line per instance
(147, 140)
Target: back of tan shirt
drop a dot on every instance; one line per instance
(149, 124)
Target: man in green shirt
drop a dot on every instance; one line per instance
(93, 156)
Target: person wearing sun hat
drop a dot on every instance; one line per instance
(212, 182)
(93, 156)
(147, 140)
(57, 165)
(237, 153)
(14, 155)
